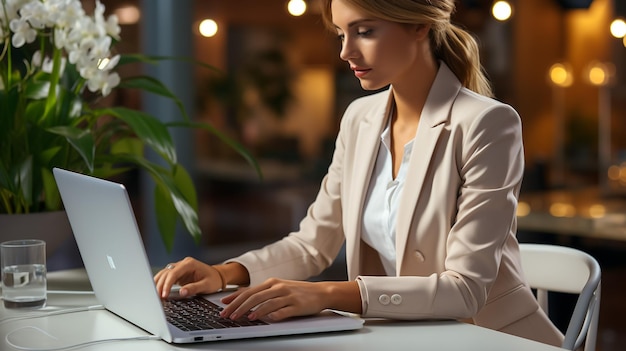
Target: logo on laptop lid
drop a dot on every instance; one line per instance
(111, 262)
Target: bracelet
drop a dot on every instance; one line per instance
(221, 278)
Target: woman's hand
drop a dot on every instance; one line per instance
(278, 299)
(193, 276)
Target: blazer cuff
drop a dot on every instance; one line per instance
(364, 295)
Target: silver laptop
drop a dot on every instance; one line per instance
(112, 250)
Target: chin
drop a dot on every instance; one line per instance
(369, 86)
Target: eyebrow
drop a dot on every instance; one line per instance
(357, 22)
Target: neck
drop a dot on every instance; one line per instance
(410, 97)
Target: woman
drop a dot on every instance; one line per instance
(422, 188)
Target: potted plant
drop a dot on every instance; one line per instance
(56, 66)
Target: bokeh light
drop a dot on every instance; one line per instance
(296, 7)
(501, 10)
(208, 28)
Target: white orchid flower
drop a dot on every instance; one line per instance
(68, 13)
(98, 13)
(46, 64)
(108, 64)
(37, 59)
(86, 40)
(99, 47)
(112, 27)
(10, 8)
(104, 82)
(87, 70)
(60, 38)
(36, 14)
(22, 33)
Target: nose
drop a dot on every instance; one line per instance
(348, 49)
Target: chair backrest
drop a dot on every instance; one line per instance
(567, 270)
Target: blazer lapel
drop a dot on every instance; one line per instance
(432, 121)
(368, 141)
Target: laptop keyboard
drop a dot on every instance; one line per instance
(197, 313)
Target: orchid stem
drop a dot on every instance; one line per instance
(54, 81)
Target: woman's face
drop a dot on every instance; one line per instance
(379, 52)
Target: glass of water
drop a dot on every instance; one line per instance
(23, 273)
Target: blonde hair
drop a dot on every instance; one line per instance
(451, 43)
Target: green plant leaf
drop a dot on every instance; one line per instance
(186, 211)
(153, 59)
(154, 86)
(9, 100)
(241, 150)
(4, 178)
(127, 146)
(164, 178)
(164, 207)
(53, 198)
(107, 170)
(47, 155)
(54, 82)
(23, 177)
(37, 90)
(34, 112)
(184, 183)
(150, 130)
(81, 140)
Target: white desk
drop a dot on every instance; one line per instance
(74, 328)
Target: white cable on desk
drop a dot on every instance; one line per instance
(67, 347)
(52, 313)
(74, 346)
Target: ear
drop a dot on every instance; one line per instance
(422, 31)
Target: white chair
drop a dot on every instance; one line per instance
(567, 270)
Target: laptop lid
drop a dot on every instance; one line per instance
(108, 238)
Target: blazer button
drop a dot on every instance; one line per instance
(384, 299)
(396, 299)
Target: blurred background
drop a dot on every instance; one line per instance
(280, 89)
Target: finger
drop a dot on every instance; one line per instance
(159, 274)
(163, 288)
(270, 308)
(167, 278)
(249, 300)
(275, 315)
(158, 284)
(230, 297)
(194, 288)
(159, 280)
(235, 300)
(232, 302)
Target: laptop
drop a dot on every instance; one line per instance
(106, 231)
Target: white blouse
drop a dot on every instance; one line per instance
(381, 202)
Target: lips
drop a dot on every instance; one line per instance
(360, 71)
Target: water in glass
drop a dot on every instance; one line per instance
(24, 286)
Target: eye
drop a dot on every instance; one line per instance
(364, 32)
(341, 37)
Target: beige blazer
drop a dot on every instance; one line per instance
(458, 257)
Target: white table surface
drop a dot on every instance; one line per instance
(57, 331)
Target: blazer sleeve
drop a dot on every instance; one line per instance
(489, 155)
(315, 245)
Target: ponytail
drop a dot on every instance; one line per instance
(459, 50)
